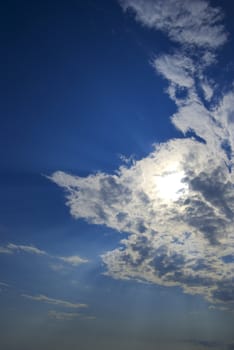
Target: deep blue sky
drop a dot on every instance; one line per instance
(78, 90)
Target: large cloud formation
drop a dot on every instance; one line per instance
(177, 204)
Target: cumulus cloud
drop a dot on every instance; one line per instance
(177, 204)
(45, 299)
(171, 242)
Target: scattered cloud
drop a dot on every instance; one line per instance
(208, 89)
(68, 316)
(74, 260)
(190, 22)
(12, 248)
(5, 250)
(177, 68)
(4, 284)
(57, 267)
(45, 299)
(219, 308)
(25, 248)
(176, 204)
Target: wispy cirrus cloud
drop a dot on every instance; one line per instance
(176, 204)
(25, 248)
(64, 303)
(12, 248)
(63, 316)
(5, 250)
(68, 316)
(3, 286)
(73, 260)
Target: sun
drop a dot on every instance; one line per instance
(171, 186)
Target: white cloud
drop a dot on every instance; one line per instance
(26, 248)
(219, 308)
(68, 316)
(181, 242)
(74, 260)
(4, 284)
(207, 89)
(58, 302)
(178, 69)
(57, 267)
(184, 238)
(188, 22)
(5, 250)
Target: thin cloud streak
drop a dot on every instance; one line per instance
(5, 250)
(12, 248)
(63, 316)
(3, 284)
(26, 249)
(45, 299)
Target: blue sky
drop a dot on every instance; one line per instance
(116, 175)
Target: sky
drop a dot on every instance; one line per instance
(116, 175)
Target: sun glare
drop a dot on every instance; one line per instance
(171, 186)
